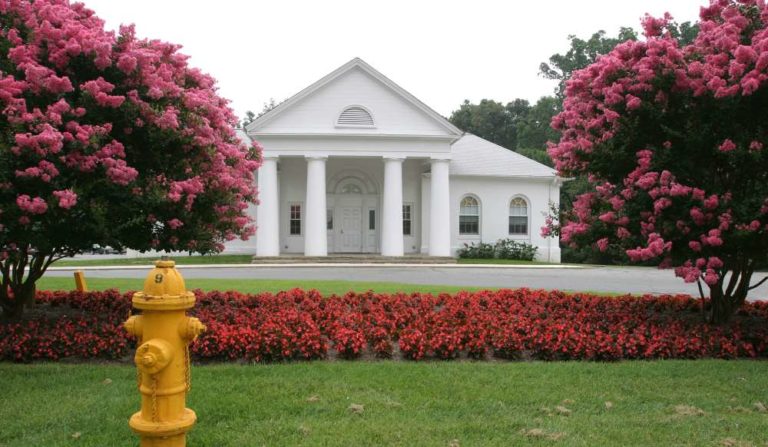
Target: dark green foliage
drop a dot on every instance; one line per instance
(502, 249)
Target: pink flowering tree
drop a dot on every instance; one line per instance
(673, 139)
(108, 139)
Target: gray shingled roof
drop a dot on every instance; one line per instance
(472, 155)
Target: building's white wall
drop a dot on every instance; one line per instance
(494, 195)
(318, 112)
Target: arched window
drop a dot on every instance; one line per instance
(355, 116)
(469, 216)
(351, 188)
(518, 216)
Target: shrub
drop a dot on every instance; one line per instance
(511, 249)
(479, 251)
(502, 249)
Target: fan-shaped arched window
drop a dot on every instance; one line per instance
(518, 216)
(355, 116)
(351, 188)
(469, 216)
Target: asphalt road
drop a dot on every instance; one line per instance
(602, 279)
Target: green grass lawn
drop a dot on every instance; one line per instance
(695, 403)
(500, 261)
(252, 285)
(238, 259)
(180, 260)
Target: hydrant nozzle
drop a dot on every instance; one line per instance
(164, 332)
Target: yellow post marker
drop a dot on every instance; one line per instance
(164, 332)
(80, 281)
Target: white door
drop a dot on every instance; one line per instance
(350, 230)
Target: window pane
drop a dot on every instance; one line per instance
(518, 207)
(295, 220)
(371, 219)
(469, 225)
(407, 220)
(518, 225)
(469, 206)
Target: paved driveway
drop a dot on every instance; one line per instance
(603, 279)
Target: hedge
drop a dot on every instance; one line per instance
(303, 325)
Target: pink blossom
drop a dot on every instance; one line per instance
(29, 205)
(602, 244)
(633, 102)
(727, 146)
(169, 119)
(67, 198)
(175, 224)
(711, 277)
(608, 217)
(711, 202)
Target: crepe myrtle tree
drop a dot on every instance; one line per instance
(108, 139)
(673, 139)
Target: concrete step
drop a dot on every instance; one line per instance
(352, 259)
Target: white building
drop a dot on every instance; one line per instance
(355, 164)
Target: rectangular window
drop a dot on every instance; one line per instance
(518, 224)
(295, 219)
(407, 219)
(329, 219)
(371, 219)
(469, 224)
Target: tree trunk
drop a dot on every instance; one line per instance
(19, 298)
(19, 273)
(726, 300)
(722, 308)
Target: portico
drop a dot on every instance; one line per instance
(349, 205)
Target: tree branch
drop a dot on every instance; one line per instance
(759, 283)
(701, 290)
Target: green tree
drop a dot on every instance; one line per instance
(248, 119)
(580, 54)
(267, 107)
(533, 131)
(491, 120)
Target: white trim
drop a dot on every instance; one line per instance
(354, 63)
(386, 136)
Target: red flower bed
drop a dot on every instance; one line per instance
(303, 325)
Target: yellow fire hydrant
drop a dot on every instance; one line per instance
(164, 332)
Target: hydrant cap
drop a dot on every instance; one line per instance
(164, 279)
(164, 288)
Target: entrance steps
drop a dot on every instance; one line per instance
(353, 259)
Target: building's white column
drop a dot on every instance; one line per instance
(440, 209)
(392, 214)
(315, 233)
(268, 210)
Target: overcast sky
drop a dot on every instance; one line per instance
(440, 51)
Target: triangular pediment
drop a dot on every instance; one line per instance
(354, 99)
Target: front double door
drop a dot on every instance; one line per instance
(350, 229)
(353, 225)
